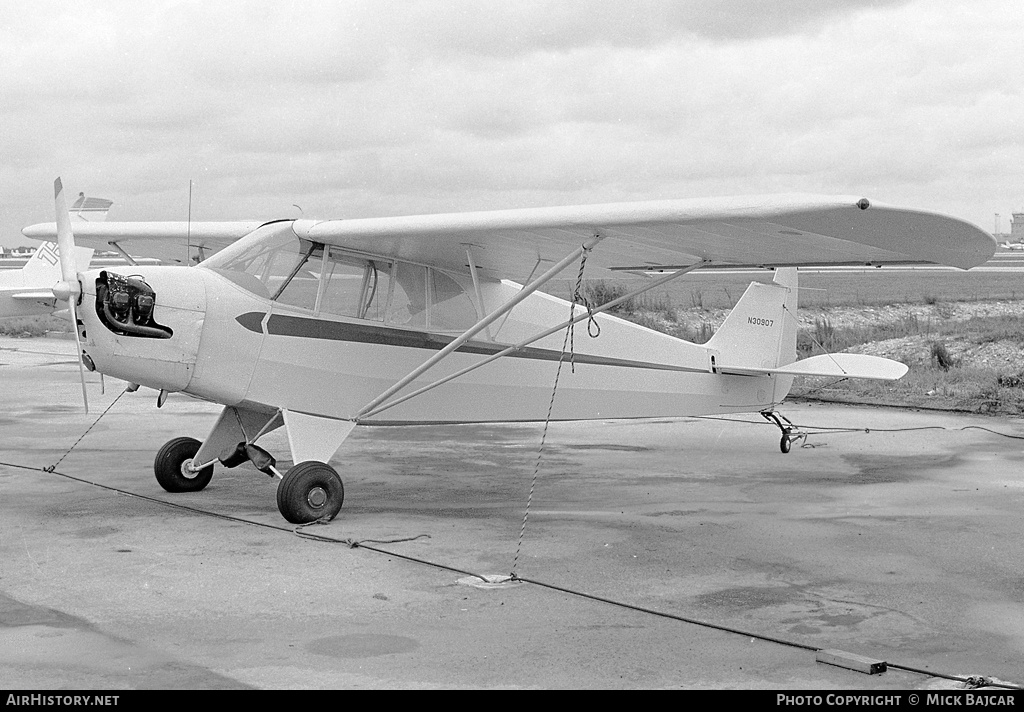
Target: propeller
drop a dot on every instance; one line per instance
(68, 289)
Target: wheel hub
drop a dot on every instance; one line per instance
(186, 469)
(317, 497)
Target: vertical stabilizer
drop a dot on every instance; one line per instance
(90, 209)
(43, 267)
(760, 331)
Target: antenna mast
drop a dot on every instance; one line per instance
(188, 229)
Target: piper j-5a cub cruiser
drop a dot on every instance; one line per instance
(319, 326)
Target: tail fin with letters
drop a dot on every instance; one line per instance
(758, 338)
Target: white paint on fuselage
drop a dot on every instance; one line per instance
(214, 357)
(158, 363)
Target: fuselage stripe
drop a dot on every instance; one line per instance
(304, 327)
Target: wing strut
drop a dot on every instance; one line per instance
(476, 288)
(482, 324)
(129, 258)
(595, 310)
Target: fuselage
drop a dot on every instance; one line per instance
(314, 329)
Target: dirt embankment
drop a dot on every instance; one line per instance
(932, 322)
(936, 323)
(963, 356)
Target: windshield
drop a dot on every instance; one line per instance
(264, 260)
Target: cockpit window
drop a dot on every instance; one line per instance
(274, 263)
(354, 286)
(263, 260)
(299, 288)
(451, 309)
(409, 299)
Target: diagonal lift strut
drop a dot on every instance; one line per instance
(378, 405)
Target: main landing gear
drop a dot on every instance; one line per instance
(173, 466)
(310, 491)
(790, 433)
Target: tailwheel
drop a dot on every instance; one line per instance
(310, 491)
(790, 432)
(786, 443)
(173, 466)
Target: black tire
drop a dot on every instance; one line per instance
(785, 444)
(310, 491)
(169, 466)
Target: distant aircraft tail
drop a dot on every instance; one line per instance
(43, 267)
(90, 209)
(42, 270)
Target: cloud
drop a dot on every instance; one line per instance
(505, 30)
(384, 107)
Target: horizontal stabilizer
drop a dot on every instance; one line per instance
(832, 365)
(34, 296)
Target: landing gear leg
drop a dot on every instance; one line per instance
(310, 492)
(790, 433)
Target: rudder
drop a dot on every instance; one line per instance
(760, 331)
(43, 267)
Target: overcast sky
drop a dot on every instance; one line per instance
(355, 109)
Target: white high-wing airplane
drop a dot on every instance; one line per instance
(320, 326)
(172, 243)
(29, 290)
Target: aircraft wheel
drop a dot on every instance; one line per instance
(310, 491)
(785, 444)
(171, 466)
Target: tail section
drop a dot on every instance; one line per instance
(90, 209)
(759, 339)
(760, 332)
(43, 268)
(29, 291)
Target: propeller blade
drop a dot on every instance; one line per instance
(68, 288)
(66, 241)
(78, 350)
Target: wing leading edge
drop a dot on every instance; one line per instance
(165, 241)
(770, 231)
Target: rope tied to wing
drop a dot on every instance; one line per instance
(578, 297)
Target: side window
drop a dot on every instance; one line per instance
(451, 309)
(409, 298)
(354, 286)
(378, 289)
(343, 285)
(328, 280)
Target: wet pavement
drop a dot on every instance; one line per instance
(903, 544)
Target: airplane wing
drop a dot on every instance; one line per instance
(169, 242)
(768, 231)
(44, 296)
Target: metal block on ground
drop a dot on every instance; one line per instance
(851, 661)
